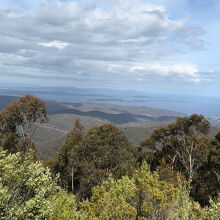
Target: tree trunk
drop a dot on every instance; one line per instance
(190, 168)
(72, 181)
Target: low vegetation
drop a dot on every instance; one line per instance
(99, 174)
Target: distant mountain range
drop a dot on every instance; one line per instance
(188, 104)
(90, 95)
(136, 122)
(112, 113)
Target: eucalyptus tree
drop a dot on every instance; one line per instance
(184, 144)
(17, 115)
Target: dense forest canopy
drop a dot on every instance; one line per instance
(99, 174)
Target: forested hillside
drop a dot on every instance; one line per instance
(97, 173)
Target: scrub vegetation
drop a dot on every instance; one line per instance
(99, 174)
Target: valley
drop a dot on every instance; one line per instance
(136, 122)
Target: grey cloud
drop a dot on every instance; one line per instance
(97, 39)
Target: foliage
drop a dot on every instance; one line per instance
(167, 174)
(207, 180)
(155, 198)
(186, 148)
(108, 149)
(142, 196)
(182, 144)
(111, 200)
(185, 208)
(214, 209)
(65, 207)
(66, 162)
(9, 142)
(25, 111)
(26, 188)
(78, 126)
(107, 174)
(84, 161)
(27, 191)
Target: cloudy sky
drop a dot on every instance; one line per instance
(164, 46)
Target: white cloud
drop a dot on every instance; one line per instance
(99, 42)
(57, 44)
(185, 71)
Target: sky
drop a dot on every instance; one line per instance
(163, 46)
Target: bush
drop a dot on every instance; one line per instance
(26, 188)
(142, 196)
(214, 209)
(65, 207)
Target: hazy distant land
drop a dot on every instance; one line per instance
(136, 122)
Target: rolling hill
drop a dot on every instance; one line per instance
(136, 122)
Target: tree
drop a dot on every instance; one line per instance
(206, 183)
(66, 160)
(9, 142)
(15, 116)
(108, 148)
(182, 144)
(84, 161)
(26, 188)
(78, 126)
(142, 196)
(167, 174)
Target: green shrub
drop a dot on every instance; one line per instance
(26, 188)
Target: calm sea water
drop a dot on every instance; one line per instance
(208, 106)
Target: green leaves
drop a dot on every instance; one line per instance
(27, 191)
(142, 196)
(33, 108)
(182, 143)
(101, 167)
(65, 207)
(25, 188)
(110, 201)
(214, 209)
(84, 161)
(26, 110)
